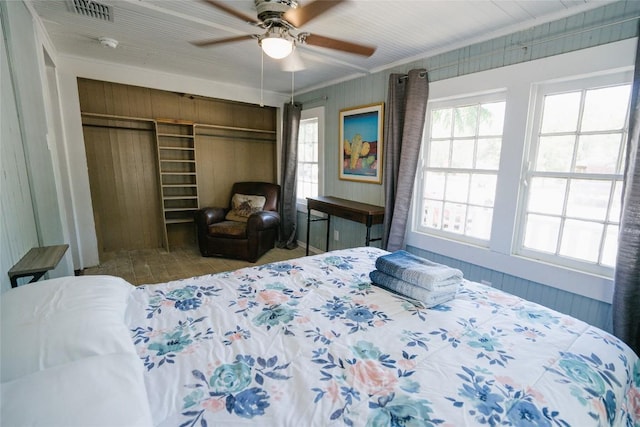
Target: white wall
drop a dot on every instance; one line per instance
(32, 214)
(18, 229)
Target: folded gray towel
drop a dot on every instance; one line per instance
(418, 271)
(426, 297)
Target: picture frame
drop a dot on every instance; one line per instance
(361, 130)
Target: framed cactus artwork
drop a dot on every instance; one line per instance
(361, 143)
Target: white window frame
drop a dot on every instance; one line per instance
(518, 81)
(538, 94)
(316, 112)
(483, 98)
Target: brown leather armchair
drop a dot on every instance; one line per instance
(219, 236)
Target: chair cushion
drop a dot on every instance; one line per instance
(243, 205)
(232, 229)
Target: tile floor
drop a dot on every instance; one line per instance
(157, 265)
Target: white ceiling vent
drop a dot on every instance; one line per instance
(91, 9)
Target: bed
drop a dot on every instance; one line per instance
(305, 342)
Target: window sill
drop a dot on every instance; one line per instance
(577, 282)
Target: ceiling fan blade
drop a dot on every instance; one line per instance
(204, 43)
(301, 15)
(322, 41)
(233, 12)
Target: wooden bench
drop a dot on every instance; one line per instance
(36, 263)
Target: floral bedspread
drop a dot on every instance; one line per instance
(310, 342)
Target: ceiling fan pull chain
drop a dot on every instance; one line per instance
(261, 77)
(292, 85)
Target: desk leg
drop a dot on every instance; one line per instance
(368, 239)
(35, 277)
(308, 228)
(328, 229)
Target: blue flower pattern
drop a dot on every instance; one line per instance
(229, 385)
(185, 298)
(163, 346)
(368, 357)
(490, 402)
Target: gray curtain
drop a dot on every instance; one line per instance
(404, 122)
(626, 295)
(288, 182)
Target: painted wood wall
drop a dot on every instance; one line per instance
(29, 211)
(16, 210)
(607, 24)
(595, 312)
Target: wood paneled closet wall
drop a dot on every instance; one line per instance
(143, 195)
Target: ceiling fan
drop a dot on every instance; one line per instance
(281, 19)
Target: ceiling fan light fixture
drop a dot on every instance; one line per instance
(276, 45)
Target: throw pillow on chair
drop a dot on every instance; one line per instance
(243, 205)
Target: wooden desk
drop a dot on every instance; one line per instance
(37, 262)
(348, 209)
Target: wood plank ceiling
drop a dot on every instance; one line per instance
(156, 34)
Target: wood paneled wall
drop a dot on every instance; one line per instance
(134, 101)
(222, 160)
(124, 188)
(594, 312)
(122, 158)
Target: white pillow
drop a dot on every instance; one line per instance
(57, 321)
(99, 391)
(243, 205)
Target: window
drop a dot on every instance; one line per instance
(574, 182)
(462, 144)
(310, 143)
(555, 214)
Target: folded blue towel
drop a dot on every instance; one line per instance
(418, 271)
(426, 297)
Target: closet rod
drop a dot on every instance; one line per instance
(244, 138)
(233, 128)
(175, 121)
(116, 127)
(114, 117)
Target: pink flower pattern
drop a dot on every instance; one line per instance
(372, 378)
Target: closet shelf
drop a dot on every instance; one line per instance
(176, 138)
(177, 161)
(164, 147)
(174, 135)
(178, 173)
(178, 221)
(180, 209)
(180, 198)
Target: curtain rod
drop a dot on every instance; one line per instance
(320, 98)
(422, 76)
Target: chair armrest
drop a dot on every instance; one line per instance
(207, 216)
(263, 220)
